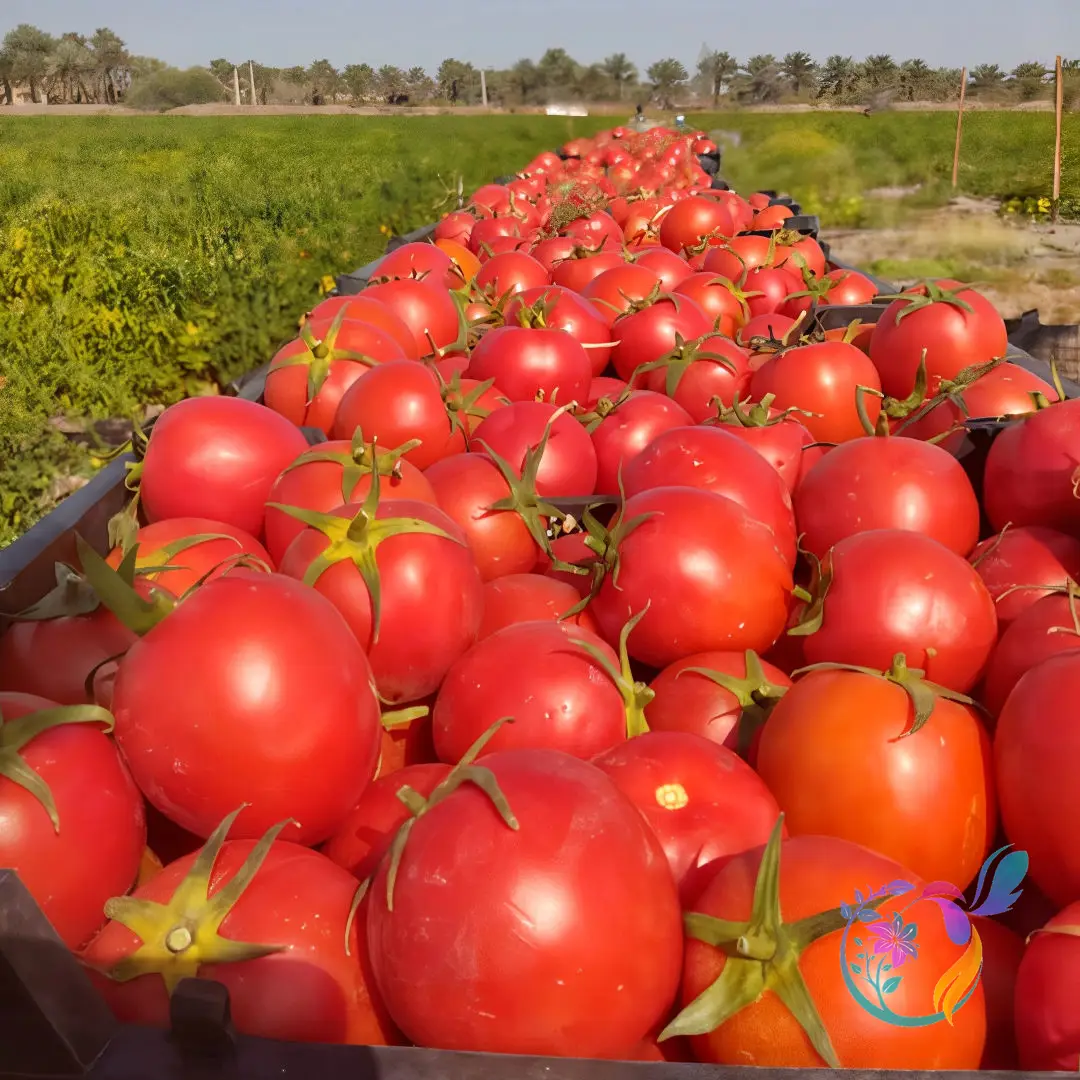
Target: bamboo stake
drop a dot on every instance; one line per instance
(959, 129)
(1058, 106)
(251, 80)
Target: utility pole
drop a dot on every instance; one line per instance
(236, 86)
(483, 88)
(251, 79)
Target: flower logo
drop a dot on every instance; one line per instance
(886, 945)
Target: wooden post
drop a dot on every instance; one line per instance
(236, 86)
(483, 88)
(251, 80)
(1058, 105)
(959, 129)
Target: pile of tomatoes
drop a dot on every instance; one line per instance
(626, 630)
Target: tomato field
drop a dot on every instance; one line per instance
(591, 637)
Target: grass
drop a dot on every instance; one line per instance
(142, 259)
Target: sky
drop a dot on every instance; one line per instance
(496, 33)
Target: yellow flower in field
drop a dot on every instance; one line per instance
(326, 283)
(191, 329)
(19, 239)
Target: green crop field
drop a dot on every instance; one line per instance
(142, 259)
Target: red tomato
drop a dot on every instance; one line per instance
(668, 266)
(426, 307)
(838, 738)
(817, 874)
(568, 464)
(604, 386)
(81, 839)
(956, 326)
(703, 802)
(887, 483)
(1036, 755)
(712, 459)
(723, 696)
(773, 287)
(848, 287)
(545, 911)
(890, 592)
(207, 700)
(740, 255)
(406, 743)
(418, 610)
(318, 988)
(1028, 555)
(583, 266)
(554, 250)
(1003, 952)
(718, 298)
(561, 696)
(457, 225)
(216, 458)
(526, 363)
(366, 834)
(709, 574)
(618, 289)
(699, 372)
(417, 260)
(771, 217)
(338, 472)
(518, 598)
(192, 548)
(511, 272)
(649, 334)
(1047, 986)
(364, 309)
(773, 328)
(693, 220)
(1033, 471)
(822, 379)
(561, 309)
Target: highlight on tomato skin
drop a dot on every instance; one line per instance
(650, 664)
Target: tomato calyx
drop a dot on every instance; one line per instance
(636, 695)
(464, 772)
(392, 719)
(756, 695)
(760, 344)
(357, 540)
(360, 460)
(72, 595)
(179, 936)
(461, 404)
(599, 541)
(115, 588)
(1069, 588)
(916, 405)
(604, 407)
(678, 361)
(15, 734)
(762, 954)
(927, 293)
(748, 415)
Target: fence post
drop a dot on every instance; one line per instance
(959, 129)
(1058, 106)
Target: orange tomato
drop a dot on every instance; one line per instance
(465, 262)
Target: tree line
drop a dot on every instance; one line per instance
(74, 69)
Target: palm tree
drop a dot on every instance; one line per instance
(762, 82)
(879, 71)
(799, 69)
(391, 82)
(838, 77)
(558, 70)
(718, 69)
(915, 76)
(620, 71)
(324, 80)
(987, 79)
(1028, 79)
(665, 75)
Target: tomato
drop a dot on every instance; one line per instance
(557, 308)
(666, 264)
(816, 874)
(418, 260)
(216, 458)
(739, 255)
(708, 573)
(594, 230)
(703, 802)
(773, 328)
(1049, 626)
(955, 325)
(584, 266)
(1033, 471)
(518, 598)
(838, 738)
(604, 386)
(318, 988)
(1047, 984)
(463, 268)
(699, 374)
(554, 250)
(1036, 753)
(718, 298)
(562, 695)
(246, 655)
(693, 220)
(405, 580)
(712, 459)
(848, 287)
(545, 977)
(723, 696)
(568, 463)
(364, 309)
(773, 286)
(650, 333)
(887, 483)
(619, 289)
(890, 591)
(801, 254)
(80, 839)
(510, 273)
(1003, 951)
(192, 548)
(525, 363)
(771, 217)
(821, 379)
(366, 834)
(406, 739)
(1029, 555)
(426, 307)
(334, 473)
(489, 234)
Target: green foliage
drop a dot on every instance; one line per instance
(170, 88)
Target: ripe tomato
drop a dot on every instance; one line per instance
(699, 372)
(838, 738)
(206, 700)
(426, 307)
(817, 874)
(692, 220)
(518, 598)
(561, 697)
(708, 574)
(887, 483)
(648, 334)
(1036, 755)
(890, 591)
(216, 458)
(545, 977)
(318, 988)
(740, 255)
(80, 839)
(703, 802)
(1029, 555)
(557, 308)
(772, 285)
(848, 287)
(408, 740)
(584, 266)
(821, 379)
(510, 273)
(525, 363)
(463, 268)
(668, 266)
(956, 326)
(417, 260)
(364, 309)
(1003, 951)
(403, 577)
(619, 288)
(1047, 985)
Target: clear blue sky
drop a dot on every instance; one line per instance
(498, 32)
